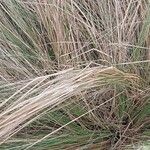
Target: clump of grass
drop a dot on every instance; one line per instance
(74, 74)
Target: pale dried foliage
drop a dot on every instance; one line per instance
(53, 52)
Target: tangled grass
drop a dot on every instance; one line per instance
(74, 74)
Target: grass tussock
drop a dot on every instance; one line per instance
(74, 74)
